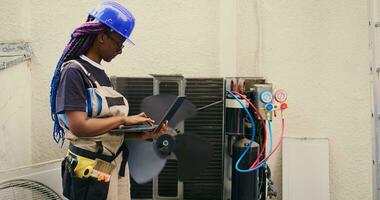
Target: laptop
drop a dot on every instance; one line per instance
(141, 128)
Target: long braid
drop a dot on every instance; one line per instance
(81, 40)
(58, 131)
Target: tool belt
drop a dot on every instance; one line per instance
(86, 174)
(92, 155)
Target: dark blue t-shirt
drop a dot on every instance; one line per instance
(71, 93)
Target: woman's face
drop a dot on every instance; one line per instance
(112, 45)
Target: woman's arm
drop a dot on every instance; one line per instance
(81, 126)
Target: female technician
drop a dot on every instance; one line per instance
(84, 104)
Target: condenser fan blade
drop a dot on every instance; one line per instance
(143, 160)
(157, 105)
(193, 153)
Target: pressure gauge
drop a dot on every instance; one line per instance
(266, 97)
(269, 107)
(280, 96)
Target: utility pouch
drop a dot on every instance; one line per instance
(75, 188)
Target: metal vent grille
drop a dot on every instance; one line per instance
(135, 90)
(208, 123)
(22, 189)
(167, 179)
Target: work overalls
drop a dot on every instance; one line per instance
(95, 167)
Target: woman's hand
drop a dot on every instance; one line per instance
(138, 119)
(155, 134)
(82, 126)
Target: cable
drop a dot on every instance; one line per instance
(263, 123)
(252, 135)
(261, 163)
(270, 135)
(209, 105)
(277, 145)
(255, 166)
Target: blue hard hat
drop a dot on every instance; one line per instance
(115, 16)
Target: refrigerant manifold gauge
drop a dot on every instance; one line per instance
(280, 96)
(266, 97)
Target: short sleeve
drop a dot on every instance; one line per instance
(71, 93)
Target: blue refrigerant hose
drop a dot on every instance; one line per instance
(253, 130)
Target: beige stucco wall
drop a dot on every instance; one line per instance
(15, 117)
(316, 50)
(16, 91)
(15, 20)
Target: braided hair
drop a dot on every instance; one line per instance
(81, 40)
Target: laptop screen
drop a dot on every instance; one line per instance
(171, 111)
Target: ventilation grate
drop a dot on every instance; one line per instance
(22, 189)
(208, 123)
(135, 90)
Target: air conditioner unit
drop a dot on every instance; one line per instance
(40, 181)
(208, 123)
(209, 96)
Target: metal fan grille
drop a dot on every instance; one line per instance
(208, 123)
(135, 90)
(22, 189)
